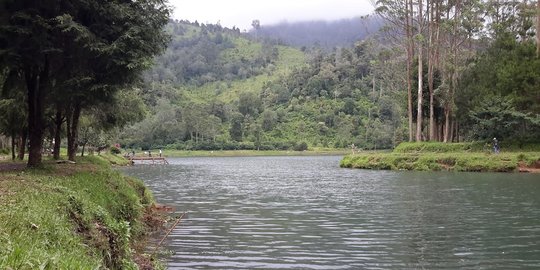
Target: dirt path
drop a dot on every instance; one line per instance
(535, 168)
(10, 166)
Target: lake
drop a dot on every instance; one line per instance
(307, 213)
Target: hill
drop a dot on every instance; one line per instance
(216, 88)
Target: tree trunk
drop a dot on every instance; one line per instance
(446, 124)
(13, 145)
(409, 100)
(22, 144)
(420, 77)
(69, 115)
(455, 134)
(410, 57)
(436, 53)
(432, 136)
(373, 84)
(73, 130)
(452, 128)
(452, 125)
(454, 76)
(36, 86)
(441, 131)
(431, 56)
(436, 128)
(82, 151)
(420, 97)
(57, 132)
(457, 131)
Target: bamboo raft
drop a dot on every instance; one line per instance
(149, 160)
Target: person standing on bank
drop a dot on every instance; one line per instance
(496, 148)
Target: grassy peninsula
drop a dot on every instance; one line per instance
(474, 157)
(73, 216)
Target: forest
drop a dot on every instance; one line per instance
(241, 92)
(480, 80)
(448, 71)
(67, 67)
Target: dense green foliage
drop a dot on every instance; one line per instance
(287, 99)
(500, 95)
(473, 64)
(248, 94)
(460, 54)
(83, 216)
(200, 54)
(63, 58)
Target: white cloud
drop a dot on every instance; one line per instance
(241, 13)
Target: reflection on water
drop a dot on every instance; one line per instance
(307, 213)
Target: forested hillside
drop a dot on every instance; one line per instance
(444, 72)
(215, 88)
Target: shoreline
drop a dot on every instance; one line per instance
(91, 215)
(250, 153)
(510, 162)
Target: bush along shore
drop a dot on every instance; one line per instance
(75, 216)
(471, 157)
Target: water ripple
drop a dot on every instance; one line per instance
(306, 213)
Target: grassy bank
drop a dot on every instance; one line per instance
(72, 216)
(449, 157)
(249, 153)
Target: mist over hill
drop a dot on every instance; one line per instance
(326, 34)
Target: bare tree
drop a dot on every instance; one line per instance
(394, 12)
(420, 47)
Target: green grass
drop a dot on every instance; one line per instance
(288, 59)
(439, 147)
(70, 216)
(411, 147)
(115, 159)
(436, 157)
(243, 49)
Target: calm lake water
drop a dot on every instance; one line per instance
(307, 213)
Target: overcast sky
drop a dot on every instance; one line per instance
(241, 13)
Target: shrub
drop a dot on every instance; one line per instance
(302, 146)
(145, 146)
(115, 150)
